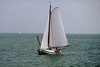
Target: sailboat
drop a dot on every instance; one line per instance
(54, 35)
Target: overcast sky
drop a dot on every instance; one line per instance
(30, 16)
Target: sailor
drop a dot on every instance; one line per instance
(57, 50)
(50, 49)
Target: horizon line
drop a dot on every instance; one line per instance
(39, 33)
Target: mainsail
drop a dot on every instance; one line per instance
(57, 34)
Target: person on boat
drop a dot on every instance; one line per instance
(50, 49)
(57, 50)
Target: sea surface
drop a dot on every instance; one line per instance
(20, 50)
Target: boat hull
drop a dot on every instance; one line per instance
(42, 51)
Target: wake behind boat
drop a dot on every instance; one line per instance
(54, 35)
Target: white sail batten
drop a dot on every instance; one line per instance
(57, 34)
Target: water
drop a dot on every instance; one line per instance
(20, 50)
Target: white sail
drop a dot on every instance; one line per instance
(44, 44)
(57, 34)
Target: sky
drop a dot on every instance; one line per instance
(30, 16)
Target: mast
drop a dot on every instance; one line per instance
(49, 26)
